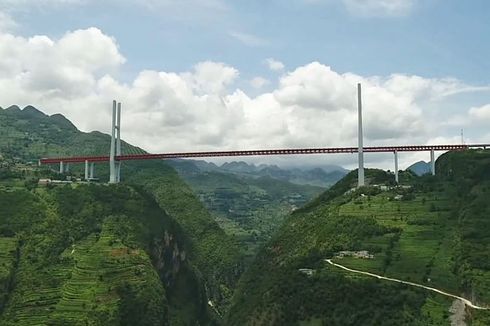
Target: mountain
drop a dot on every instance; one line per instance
(432, 231)
(248, 208)
(324, 176)
(148, 252)
(92, 255)
(420, 168)
(239, 167)
(213, 261)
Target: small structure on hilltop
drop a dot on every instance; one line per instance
(46, 182)
(363, 254)
(307, 271)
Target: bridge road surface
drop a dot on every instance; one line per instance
(267, 152)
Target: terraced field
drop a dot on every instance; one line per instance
(83, 268)
(8, 255)
(86, 284)
(422, 248)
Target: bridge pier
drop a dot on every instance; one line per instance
(432, 162)
(360, 173)
(86, 170)
(92, 170)
(396, 167)
(115, 166)
(112, 161)
(62, 168)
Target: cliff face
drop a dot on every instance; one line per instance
(167, 257)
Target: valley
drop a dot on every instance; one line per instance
(186, 242)
(248, 206)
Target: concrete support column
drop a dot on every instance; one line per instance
(67, 167)
(92, 170)
(118, 143)
(396, 168)
(360, 175)
(86, 171)
(62, 168)
(112, 161)
(432, 162)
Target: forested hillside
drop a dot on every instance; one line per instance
(214, 259)
(92, 255)
(433, 231)
(148, 252)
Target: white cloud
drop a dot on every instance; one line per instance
(274, 65)
(480, 114)
(248, 39)
(200, 109)
(39, 65)
(430, 88)
(259, 82)
(211, 77)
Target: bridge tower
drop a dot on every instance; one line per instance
(360, 175)
(118, 143)
(115, 166)
(397, 180)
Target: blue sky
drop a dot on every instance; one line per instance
(435, 38)
(216, 74)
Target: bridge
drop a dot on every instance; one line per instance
(115, 157)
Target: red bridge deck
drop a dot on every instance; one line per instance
(268, 152)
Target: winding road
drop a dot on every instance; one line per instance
(464, 300)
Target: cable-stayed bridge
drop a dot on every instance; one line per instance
(115, 156)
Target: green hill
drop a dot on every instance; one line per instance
(213, 259)
(434, 231)
(80, 256)
(148, 252)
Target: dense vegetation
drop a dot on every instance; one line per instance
(147, 252)
(249, 208)
(213, 259)
(434, 231)
(92, 255)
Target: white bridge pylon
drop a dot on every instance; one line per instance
(360, 135)
(115, 166)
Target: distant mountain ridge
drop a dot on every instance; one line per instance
(420, 168)
(324, 176)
